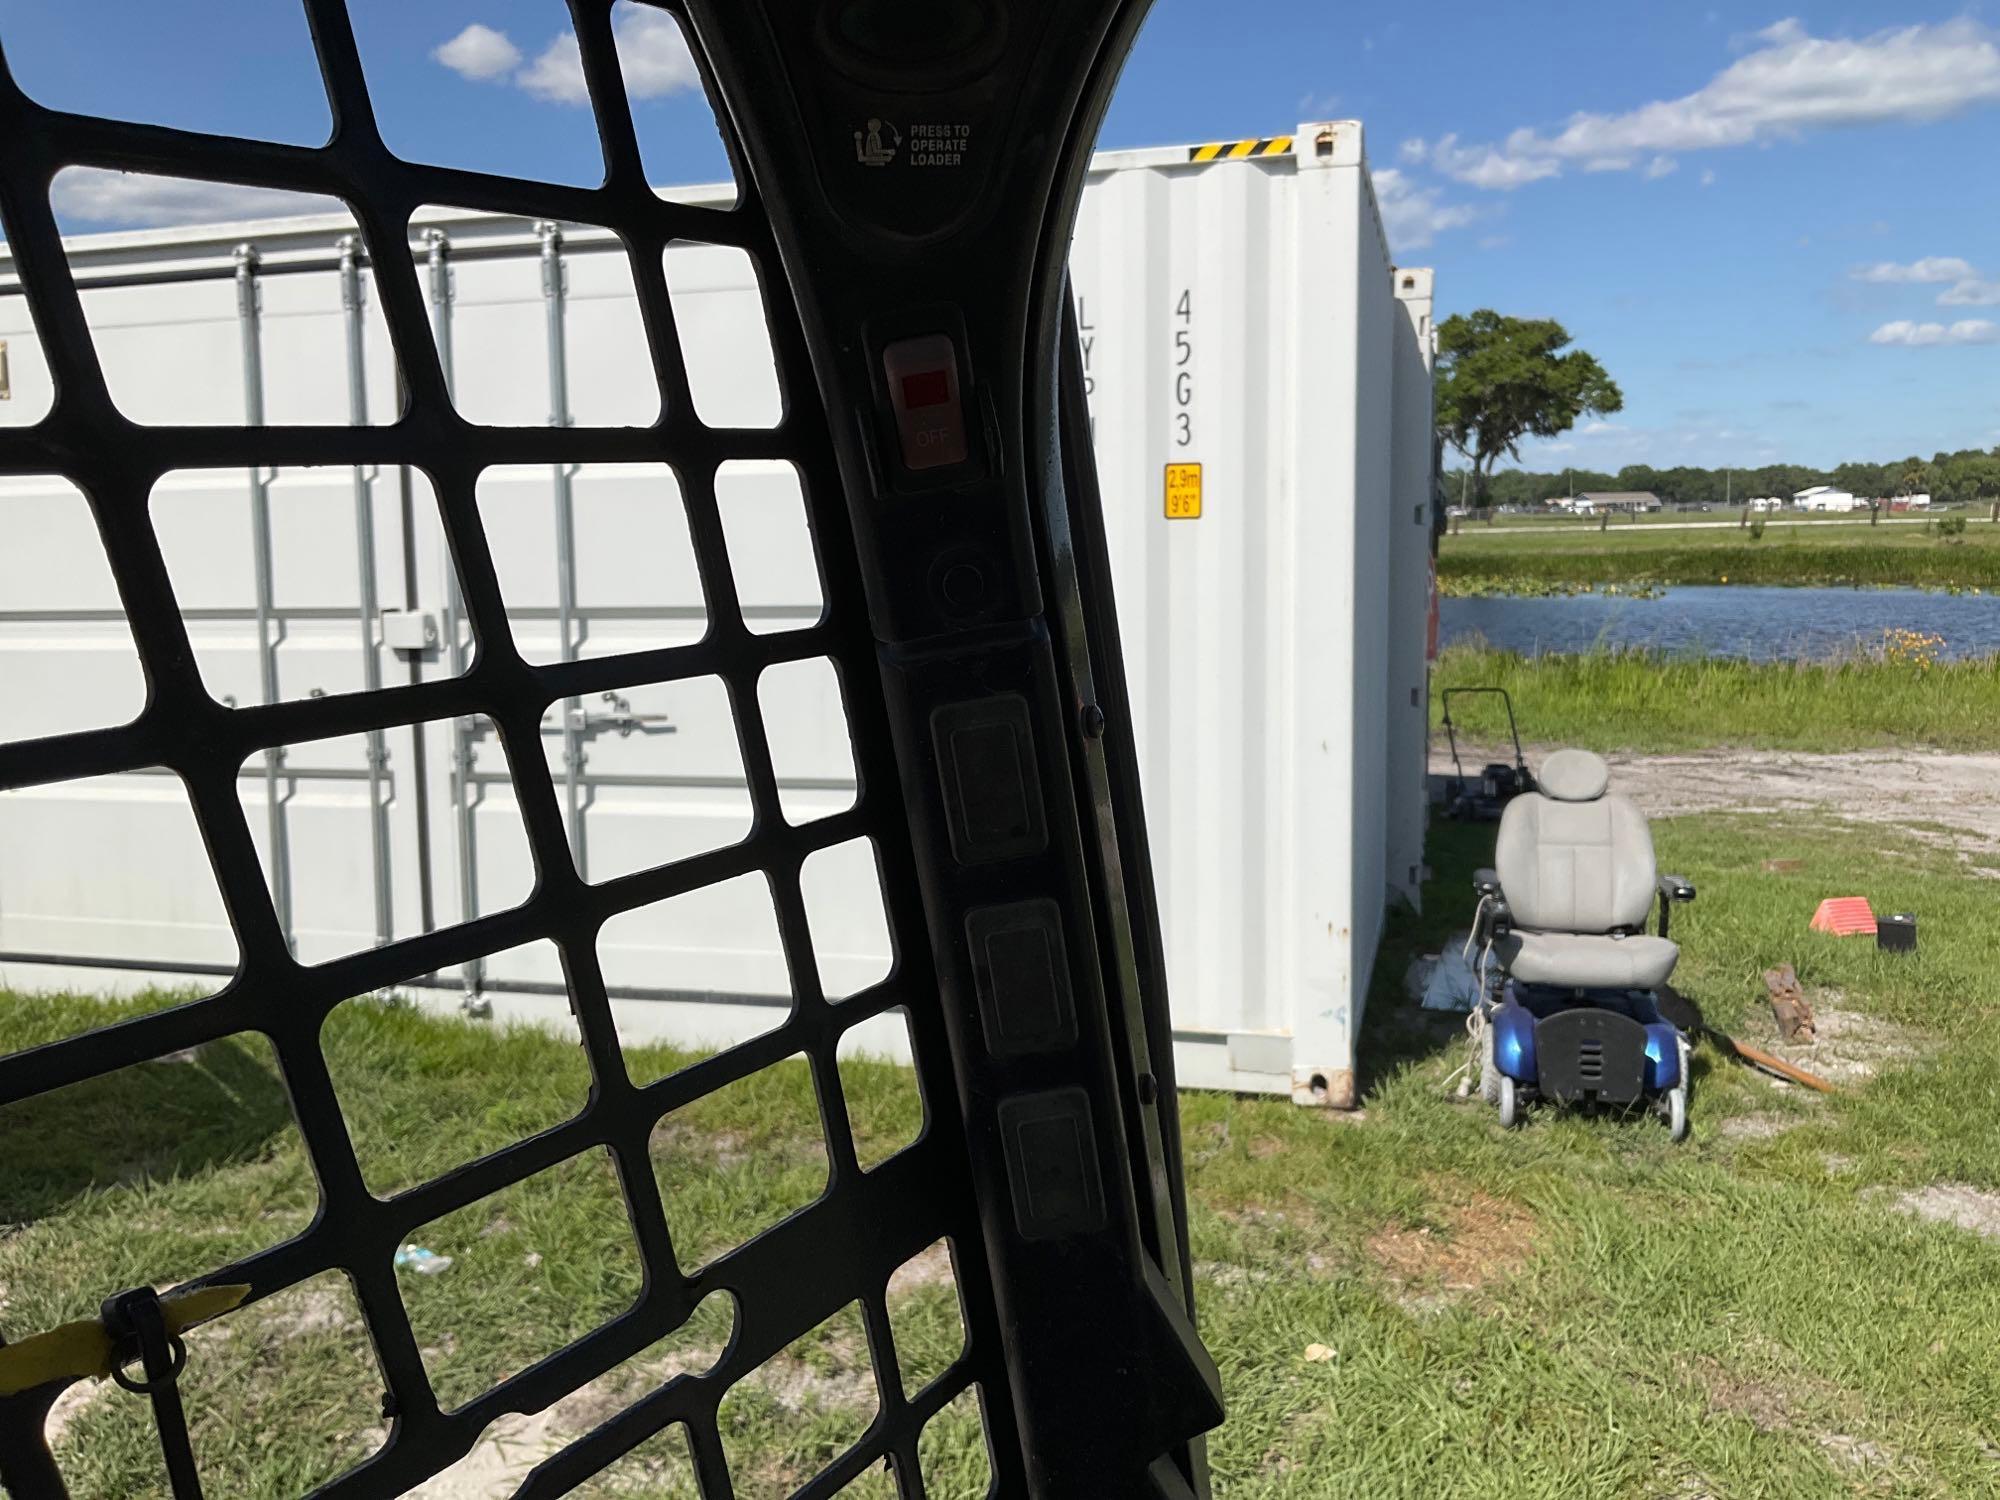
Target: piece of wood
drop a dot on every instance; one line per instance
(1758, 1058)
(1789, 1006)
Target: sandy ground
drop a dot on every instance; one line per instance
(1958, 794)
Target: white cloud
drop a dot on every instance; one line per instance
(1928, 271)
(1910, 335)
(1963, 286)
(1413, 216)
(557, 73)
(652, 54)
(1486, 166)
(1789, 84)
(98, 196)
(1971, 292)
(1661, 166)
(479, 53)
(1708, 177)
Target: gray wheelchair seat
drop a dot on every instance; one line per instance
(1575, 862)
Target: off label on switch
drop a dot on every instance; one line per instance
(922, 376)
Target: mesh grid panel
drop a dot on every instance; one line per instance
(844, 1247)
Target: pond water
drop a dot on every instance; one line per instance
(1759, 624)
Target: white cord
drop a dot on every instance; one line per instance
(1478, 916)
(1475, 1031)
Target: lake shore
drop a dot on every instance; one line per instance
(1540, 560)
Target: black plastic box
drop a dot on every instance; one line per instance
(1896, 932)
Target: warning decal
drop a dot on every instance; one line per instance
(1270, 145)
(1183, 492)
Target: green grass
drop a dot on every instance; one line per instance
(1501, 559)
(1575, 1309)
(1606, 700)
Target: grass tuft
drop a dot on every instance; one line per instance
(1639, 700)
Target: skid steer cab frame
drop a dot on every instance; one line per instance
(933, 411)
(1562, 915)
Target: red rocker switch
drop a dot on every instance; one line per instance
(923, 388)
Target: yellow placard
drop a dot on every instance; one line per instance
(1183, 492)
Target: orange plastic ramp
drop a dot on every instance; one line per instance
(1845, 916)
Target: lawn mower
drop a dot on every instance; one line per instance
(1577, 1019)
(1498, 784)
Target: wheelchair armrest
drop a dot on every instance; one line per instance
(1493, 918)
(1672, 888)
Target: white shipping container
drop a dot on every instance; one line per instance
(1238, 314)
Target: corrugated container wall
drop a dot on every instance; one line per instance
(1238, 314)
(1411, 522)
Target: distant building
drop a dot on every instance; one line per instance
(1826, 497)
(1598, 501)
(1766, 503)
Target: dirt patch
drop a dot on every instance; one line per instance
(309, 1309)
(70, 1405)
(511, 1447)
(800, 1387)
(1849, 1047)
(1756, 1127)
(1783, 1403)
(1947, 797)
(931, 1267)
(1766, 1406)
(1955, 1203)
(1480, 1240)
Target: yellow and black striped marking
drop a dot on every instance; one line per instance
(1275, 145)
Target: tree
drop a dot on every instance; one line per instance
(1501, 379)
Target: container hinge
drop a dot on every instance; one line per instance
(410, 630)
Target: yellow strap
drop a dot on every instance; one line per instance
(83, 1350)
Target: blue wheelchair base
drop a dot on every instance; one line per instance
(1591, 1047)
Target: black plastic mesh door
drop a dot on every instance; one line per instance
(840, 1251)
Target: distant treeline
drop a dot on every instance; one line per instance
(1968, 476)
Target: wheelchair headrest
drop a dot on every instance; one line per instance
(1574, 776)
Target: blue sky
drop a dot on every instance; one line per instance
(1778, 225)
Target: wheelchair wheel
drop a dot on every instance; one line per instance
(1489, 1070)
(1677, 1111)
(1510, 1103)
